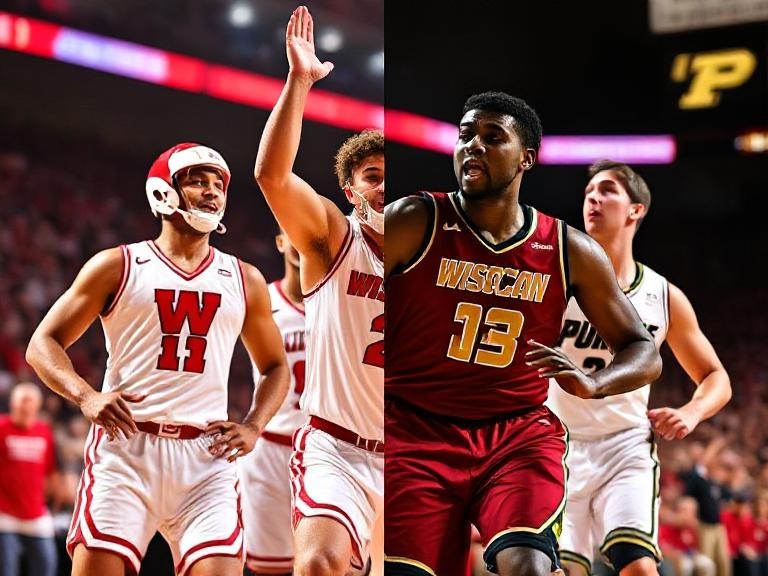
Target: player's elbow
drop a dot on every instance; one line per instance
(654, 362)
(34, 352)
(267, 177)
(727, 391)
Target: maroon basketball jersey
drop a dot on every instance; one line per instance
(459, 316)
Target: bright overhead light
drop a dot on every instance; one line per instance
(376, 63)
(330, 39)
(241, 14)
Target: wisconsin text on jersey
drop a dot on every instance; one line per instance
(505, 282)
(294, 341)
(366, 285)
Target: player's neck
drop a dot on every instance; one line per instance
(497, 217)
(619, 251)
(183, 248)
(290, 284)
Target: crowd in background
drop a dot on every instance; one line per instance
(62, 201)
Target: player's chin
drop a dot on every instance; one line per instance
(473, 187)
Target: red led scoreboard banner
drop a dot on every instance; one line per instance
(164, 68)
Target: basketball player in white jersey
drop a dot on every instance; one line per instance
(338, 463)
(160, 454)
(264, 471)
(613, 482)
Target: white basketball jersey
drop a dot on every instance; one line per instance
(345, 340)
(170, 334)
(290, 321)
(580, 341)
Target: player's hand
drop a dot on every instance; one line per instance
(110, 410)
(300, 46)
(672, 423)
(552, 363)
(233, 440)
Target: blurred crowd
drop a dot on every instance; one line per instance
(62, 201)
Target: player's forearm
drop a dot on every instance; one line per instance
(710, 396)
(631, 368)
(282, 134)
(50, 362)
(268, 396)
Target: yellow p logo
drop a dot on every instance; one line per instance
(711, 72)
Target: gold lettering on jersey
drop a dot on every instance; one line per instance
(504, 282)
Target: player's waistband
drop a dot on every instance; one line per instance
(456, 420)
(345, 435)
(283, 439)
(164, 430)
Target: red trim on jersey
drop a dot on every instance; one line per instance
(79, 537)
(272, 564)
(227, 542)
(301, 493)
(204, 556)
(89, 498)
(279, 287)
(242, 281)
(186, 275)
(123, 279)
(373, 246)
(81, 487)
(282, 439)
(335, 263)
(269, 558)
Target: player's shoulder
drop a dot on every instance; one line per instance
(414, 214)
(420, 203)
(109, 265)
(252, 274)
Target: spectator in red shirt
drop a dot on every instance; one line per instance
(27, 461)
(740, 527)
(679, 540)
(761, 533)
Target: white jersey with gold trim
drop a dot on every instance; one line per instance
(170, 334)
(593, 418)
(290, 321)
(345, 340)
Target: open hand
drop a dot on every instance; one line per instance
(552, 363)
(300, 46)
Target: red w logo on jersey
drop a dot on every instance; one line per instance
(174, 311)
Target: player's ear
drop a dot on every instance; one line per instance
(529, 159)
(347, 188)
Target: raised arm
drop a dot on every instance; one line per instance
(314, 224)
(698, 358)
(406, 222)
(262, 339)
(66, 321)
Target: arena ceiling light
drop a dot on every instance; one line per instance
(241, 14)
(330, 39)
